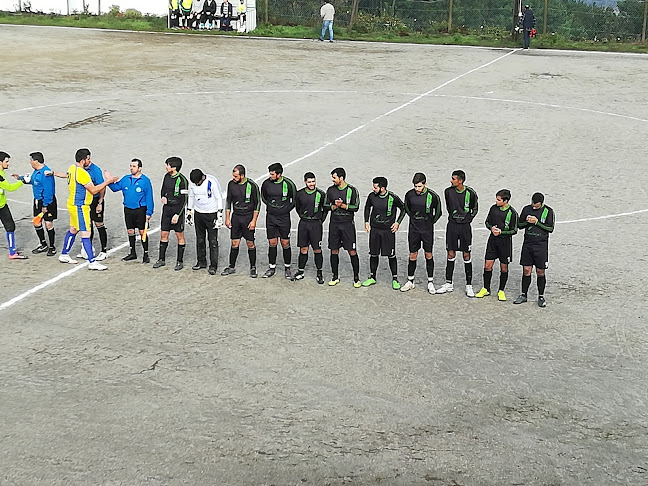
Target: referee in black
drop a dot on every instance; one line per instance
(311, 209)
(382, 223)
(241, 214)
(278, 194)
(538, 220)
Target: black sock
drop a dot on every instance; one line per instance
(51, 234)
(335, 263)
(542, 283)
(131, 242)
(163, 248)
(233, 256)
(319, 260)
(145, 245)
(252, 256)
(429, 265)
(92, 232)
(488, 276)
(303, 258)
(526, 283)
(181, 249)
(373, 266)
(103, 238)
(449, 270)
(503, 280)
(41, 234)
(272, 255)
(411, 269)
(355, 264)
(287, 254)
(393, 266)
(468, 268)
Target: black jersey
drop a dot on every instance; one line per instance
(350, 196)
(538, 233)
(506, 219)
(380, 210)
(279, 196)
(310, 204)
(423, 207)
(243, 198)
(462, 206)
(175, 189)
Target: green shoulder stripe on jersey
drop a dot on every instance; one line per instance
(318, 197)
(507, 221)
(390, 204)
(176, 189)
(543, 217)
(284, 190)
(428, 203)
(348, 195)
(467, 201)
(248, 191)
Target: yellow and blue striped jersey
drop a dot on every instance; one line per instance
(78, 178)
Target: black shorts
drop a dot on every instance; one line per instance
(309, 233)
(499, 248)
(342, 235)
(7, 219)
(94, 216)
(167, 215)
(420, 233)
(278, 226)
(382, 242)
(535, 256)
(458, 237)
(135, 218)
(52, 209)
(240, 227)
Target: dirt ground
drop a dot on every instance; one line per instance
(135, 376)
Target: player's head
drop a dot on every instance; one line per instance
(36, 160)
(275, 170)
(310, 181)
(135, 166)
(502, 197)
(537, 200)
(379, 185)
(419, 181)
(197, 176)
(458, 178)
(173, 164)
(82, 157)
(4, 160)
(526, 7)
(338, 175)
(238, 173)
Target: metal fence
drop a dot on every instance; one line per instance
(572, 19)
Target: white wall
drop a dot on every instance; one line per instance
(157, 7)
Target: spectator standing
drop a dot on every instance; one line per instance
(327, 12)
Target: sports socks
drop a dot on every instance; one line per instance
(131, 242)
(103, 238)
(429, 265)
(233, 256)
(411, 269)
(181, 250)
(68, 241)
(526, 283)
(542, 283)
(319, 260)
(163, 248)
(11, 240)
(503, 280)
(301, 261)
(335, 264)
(51, 234)
(488, 276)
(355, 264)
(40, 232)
(373, 266)
(272, 256)
(393, 266)
(450, 270)
(287, 256)
(252, 256)
(469, 270)
(87, 246)
(145, 246)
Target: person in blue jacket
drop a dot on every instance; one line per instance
(138, 206)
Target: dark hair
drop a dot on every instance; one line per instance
(196, 176)
(139, 162)
(419, 177)
(538, 197)
(4, 155)
(277, 168)
(505, 194)
(82, 154)
(309, 175)
(381, 181)
(460, 175)
(239, 168)
(175, 162)
(38, 157)
(340, 172)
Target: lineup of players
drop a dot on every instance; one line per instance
(200, 201)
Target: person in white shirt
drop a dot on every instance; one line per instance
(206, 201)
(327, 12)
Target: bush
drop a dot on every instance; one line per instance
(114, 11)
(366, 23)
(132, 13)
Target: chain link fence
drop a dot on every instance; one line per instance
(571, 19)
